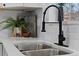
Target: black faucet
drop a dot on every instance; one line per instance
(61, 37)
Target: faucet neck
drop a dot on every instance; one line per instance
(44, 13)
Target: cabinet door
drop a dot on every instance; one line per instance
(0, 49)
(6, 5)
(36, 5)
(4, 53)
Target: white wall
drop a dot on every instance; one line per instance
(3, 16)
(74, 35)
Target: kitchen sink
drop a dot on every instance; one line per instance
(39, 49)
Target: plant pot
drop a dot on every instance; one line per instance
(26, 34)
(16, 32)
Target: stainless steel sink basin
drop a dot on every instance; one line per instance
(44, 52)
(39, 49)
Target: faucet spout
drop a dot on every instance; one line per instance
(61, 37)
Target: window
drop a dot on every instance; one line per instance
(71, 11)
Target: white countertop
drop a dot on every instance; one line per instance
(10, 48)
(13, 51)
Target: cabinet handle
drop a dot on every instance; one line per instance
(4, 5)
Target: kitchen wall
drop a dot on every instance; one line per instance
(74, 35)
(51, 33)
(3, 16)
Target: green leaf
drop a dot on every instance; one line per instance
(3, 21)
(10, 22)
(7, 26)
(61, 4)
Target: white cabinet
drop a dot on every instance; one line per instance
(0, 49)
(4, 53)
(51, 14)
(6, 5)
(34, 5)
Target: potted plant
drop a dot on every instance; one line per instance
(16, 25)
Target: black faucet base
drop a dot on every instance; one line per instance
(61, 45)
